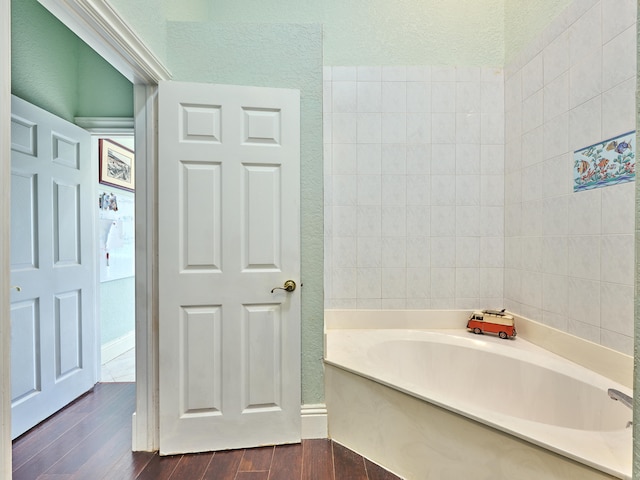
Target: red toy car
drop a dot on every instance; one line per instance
(493, 321)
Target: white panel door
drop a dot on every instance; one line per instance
(53, 354)
(229, 232)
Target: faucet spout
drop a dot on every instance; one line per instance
(621, 397)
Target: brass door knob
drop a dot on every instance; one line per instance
(289, 286)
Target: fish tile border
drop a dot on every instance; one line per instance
(609, 162)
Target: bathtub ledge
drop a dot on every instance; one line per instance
(345, 349)
(607, 362)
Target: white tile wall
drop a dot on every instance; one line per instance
(414, 189)
(569, 256)
(451, 187)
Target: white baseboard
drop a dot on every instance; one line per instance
(117, 347)
(134, 434)
(314, 425)
(314, 421)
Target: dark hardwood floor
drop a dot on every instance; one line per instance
(91, 440)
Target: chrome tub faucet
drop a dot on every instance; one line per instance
(621, 397)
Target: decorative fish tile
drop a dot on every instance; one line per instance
(609, 162)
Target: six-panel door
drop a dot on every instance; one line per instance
(229, 223)
(53, 358)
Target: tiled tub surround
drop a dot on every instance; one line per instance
(426, 208)
(439, 408)
(414, 187)
(569, 256)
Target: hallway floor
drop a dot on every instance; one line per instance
(120, 369)
(91, 440)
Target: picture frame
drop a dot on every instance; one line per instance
(117, 165)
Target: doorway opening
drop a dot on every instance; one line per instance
(116, 257)
(56, 333)
(104, 30)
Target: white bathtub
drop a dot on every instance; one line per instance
(512, 386)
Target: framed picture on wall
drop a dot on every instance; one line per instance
(117, 165)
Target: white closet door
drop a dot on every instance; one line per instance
(53, 353)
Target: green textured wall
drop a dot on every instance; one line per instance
(257, 11)
(379, 32)
(117, 308)
(53, 69)
(286, 56)
(147, 19)
(195, 11)
(414, 32)
(44, 66)
(102, 90)
(524, 19)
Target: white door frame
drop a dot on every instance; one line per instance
(95, 22)
(5, 236)
(100, 27)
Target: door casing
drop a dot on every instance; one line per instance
(98, 25)
(5, 235)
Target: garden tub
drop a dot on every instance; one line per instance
(446, 403)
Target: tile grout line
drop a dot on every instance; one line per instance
(302, 458)
(273, 455)
(213, 454)
(175, 467)
(333, 460)
(366, 471)
(239, 463)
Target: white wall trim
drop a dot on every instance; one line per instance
(145, 427)
(107, 33)
(5, 252)
(117, 347)
(106, 125)
(314, 421)
(102, 28)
